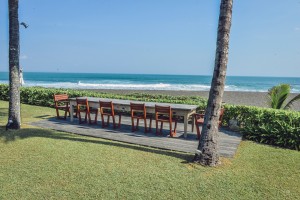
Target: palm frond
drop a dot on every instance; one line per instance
(277, 95)
(290, 103)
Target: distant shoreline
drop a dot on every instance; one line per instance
(231, 97)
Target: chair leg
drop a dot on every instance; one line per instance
(156, 122)
(102, 118)
(171, 131)
(96, 118)
(89, 117)
(79, 115)
(66, 113)
(198, 131)
(57, 113)
(137, 123)
(132, 124)
(69, 112)
(108, 117)
(150, 124)
(85, 118)
(120, 116)
(175, 127)
(174, 132)
(161, 127)
(114, 121)
(145, 124)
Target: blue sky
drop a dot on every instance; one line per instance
(154, 36)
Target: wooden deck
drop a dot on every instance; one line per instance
(229, 141)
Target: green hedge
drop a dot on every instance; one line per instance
(44, 96)
(268, 126)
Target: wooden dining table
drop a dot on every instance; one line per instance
(183, 110)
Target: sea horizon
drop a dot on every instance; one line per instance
(113, 73)
(150, 81)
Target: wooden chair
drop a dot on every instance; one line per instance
(107, 108)
(138, 111)
(199, 120)
(164, 114)
(83, 107)
(61, 102)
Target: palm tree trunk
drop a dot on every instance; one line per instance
(208, 147)
(14, 119)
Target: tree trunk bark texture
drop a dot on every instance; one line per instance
(209, 141)
(14, 119)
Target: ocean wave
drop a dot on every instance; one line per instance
(140, 86)
(143, 86)
(122, 86)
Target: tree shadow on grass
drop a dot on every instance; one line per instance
(13, 135)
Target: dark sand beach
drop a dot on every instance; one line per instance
(237, 98)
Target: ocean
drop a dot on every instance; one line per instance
(149, 81)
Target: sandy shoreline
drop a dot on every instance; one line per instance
(237, 98)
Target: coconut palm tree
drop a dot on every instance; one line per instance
(208, 148)
(277, 97)
(14, 119)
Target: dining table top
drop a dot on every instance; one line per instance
(147, 103)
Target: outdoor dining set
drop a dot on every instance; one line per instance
(86, 109)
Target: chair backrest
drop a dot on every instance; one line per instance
(82, 103)
(107, 106)
(60, 97)
(137, 107)
(165, 110)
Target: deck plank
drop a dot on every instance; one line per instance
(229, 141)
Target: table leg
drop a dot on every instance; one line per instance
(193, 123)
(71, 113)
(185, 121)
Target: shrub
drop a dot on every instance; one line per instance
(266, 125)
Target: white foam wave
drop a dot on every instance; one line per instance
(123, 86)
(140, 86)
(295, 90)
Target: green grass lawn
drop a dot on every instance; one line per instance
(41, 164)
